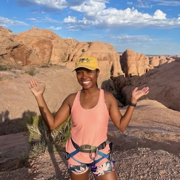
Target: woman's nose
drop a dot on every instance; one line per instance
(84, 75)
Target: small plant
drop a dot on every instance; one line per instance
(66, 60)
(83, 50)
(22, 160)
(118, 73)
(43, 139)
(3, 68)
(31, 72)
(89, 44)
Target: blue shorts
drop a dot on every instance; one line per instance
(101, 170)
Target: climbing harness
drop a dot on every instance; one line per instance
(91, 150)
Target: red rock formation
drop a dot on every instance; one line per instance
(43, 46)
(14, 52)
(48, 46)
(163, 83)
(134, 64)
(104, 52)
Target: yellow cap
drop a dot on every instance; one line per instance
(87, 62)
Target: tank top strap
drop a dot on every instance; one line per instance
(101, 98)
(76, 101)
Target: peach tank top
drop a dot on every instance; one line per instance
(89, 126)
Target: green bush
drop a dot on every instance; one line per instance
(83, 50)
(3, 68)
(31, 72)
(43, 139)
(89, 44)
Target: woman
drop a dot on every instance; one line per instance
(90, 109)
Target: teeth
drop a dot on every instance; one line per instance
(86, 82)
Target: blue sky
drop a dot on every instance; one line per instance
(146, 26)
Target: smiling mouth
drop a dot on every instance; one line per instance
(86, 82)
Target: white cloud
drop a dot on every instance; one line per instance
(141, 4)
(159, 15)
(55, 28)
(33, 19)
(48, 19)
(90, 7)
(167, 3)
(5, 22)
(129, 3)
(53, 4)
(114, 18)
(132, 39)
(70, 19)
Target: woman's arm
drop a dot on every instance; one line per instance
(121, 122)
(62, 114)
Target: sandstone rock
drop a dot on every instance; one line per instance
(14, 52)
(48, 46)
(134, 64)
(163, 83)
(41, 46)
(154, 61)
(104, 52)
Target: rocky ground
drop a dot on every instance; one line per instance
(147, 150)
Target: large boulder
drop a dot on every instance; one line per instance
(163, 83)
(104, 52)
(134, 64)
(49, 47)
(13, 51)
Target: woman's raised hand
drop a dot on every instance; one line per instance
(136, 94)
(36, 88)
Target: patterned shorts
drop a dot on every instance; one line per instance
(101, 170)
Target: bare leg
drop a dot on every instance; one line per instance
(107, 176)
(83, 176)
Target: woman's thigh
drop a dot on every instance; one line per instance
(78, 172)
(107, 176)
(83, 176)
(105, 171)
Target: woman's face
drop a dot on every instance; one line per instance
(87, 78)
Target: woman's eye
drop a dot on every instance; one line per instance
(89, 72)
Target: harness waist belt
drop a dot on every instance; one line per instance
(88, 148)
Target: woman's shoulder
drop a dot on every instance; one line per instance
(108, 96)
(70, 98)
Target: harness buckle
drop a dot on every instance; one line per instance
(95, 151)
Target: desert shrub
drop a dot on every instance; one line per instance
(42, 139)
(89, 44)
(118, 73)
(83, 50)
(31, 72)
(3, 68)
